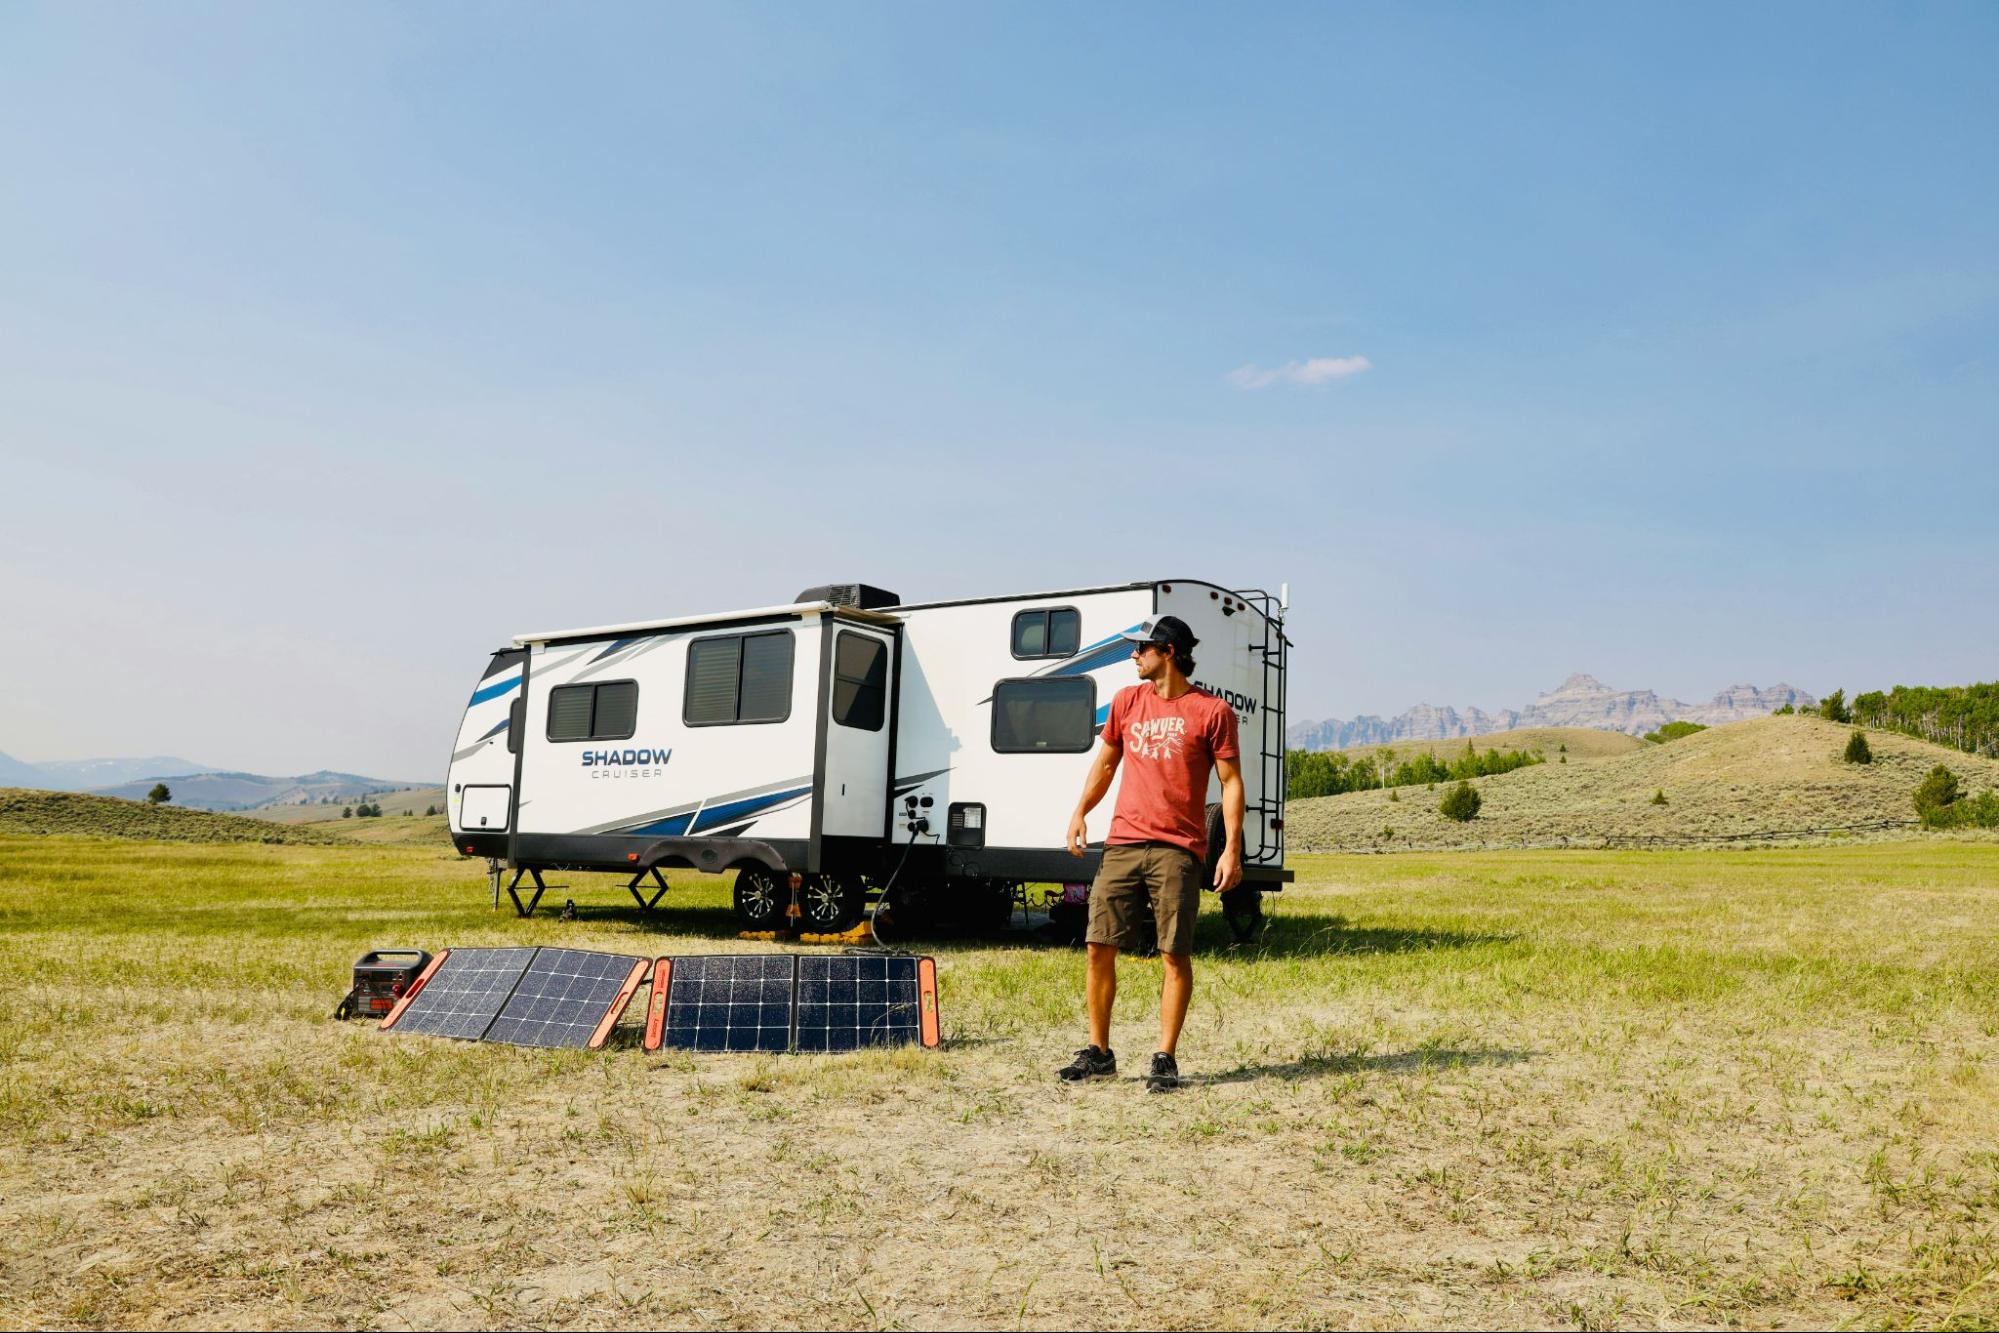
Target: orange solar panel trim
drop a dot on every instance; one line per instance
(926, 989)
(422, 979)
(662, 974)
(625, 993)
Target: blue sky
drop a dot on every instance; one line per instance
(342, 343)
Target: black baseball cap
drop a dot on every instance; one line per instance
(1167, 632)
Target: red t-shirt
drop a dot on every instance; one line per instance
(1170, 747)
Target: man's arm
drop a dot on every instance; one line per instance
(1102, 769)
(1228, 870)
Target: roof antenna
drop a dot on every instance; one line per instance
(1283, 597)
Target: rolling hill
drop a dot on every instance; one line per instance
(412, 801)
(251, 791)
(1770, 778)
(77, 814)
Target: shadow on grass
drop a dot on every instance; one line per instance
(1422, 1060)
(1287, 935)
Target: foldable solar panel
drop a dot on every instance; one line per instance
(792, 1002)
(526, 997)
(568, 997)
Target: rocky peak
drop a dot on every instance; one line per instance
(1580, 701)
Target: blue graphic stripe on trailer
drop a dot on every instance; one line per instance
(495, 691)
(498, 727)
(673, 826)
(749, 805)
(1103, 715)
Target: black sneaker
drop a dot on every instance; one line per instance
(1089, 1063)
(1165, 1075)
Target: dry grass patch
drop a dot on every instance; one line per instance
(1570, 1089)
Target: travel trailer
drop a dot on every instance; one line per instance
(846, 743)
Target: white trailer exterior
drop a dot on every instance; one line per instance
(845, 739)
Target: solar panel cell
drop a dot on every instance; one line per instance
(463, 993)
(849, 1002)
(730, 1002)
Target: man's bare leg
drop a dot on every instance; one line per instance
(1101, 989)
(1175, 989)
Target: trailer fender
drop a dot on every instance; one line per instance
(712, 855)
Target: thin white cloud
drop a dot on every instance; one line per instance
(1303, 374)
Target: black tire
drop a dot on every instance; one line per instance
(831, 904)
(1218, 836)
(761, 897)
(1242, 908)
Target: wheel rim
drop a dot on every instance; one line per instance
(759, 897)
(823, 901)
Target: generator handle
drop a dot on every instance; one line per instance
(378, 955)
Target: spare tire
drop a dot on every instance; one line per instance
(1242, 906)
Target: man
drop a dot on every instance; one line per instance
(1168, 736)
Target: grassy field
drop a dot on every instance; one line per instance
(1533, 1088)
(1770, 777)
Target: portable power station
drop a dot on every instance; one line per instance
(380, 978)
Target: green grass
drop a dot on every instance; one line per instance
(1477, 1089)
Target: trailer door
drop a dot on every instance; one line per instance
(858, 694)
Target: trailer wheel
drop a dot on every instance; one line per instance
(761, 897)
(832, 903)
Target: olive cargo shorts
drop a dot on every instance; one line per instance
(1136, 880)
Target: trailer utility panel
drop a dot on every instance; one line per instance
(844, 739)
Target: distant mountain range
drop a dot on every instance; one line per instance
(90, 774)
(194, 785)
(1580, 701)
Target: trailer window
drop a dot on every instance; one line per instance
(1049, 632)
(1045, 715)
(860, 681)
(604, 711)
(738, 678)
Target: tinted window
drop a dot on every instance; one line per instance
(739, 678)
(617, 714)
(1055, 632)
(1065, 633)
(569, 712)
(1044, 716)
(713, 666)
(860, 681)
(766, 678)
(608, 711)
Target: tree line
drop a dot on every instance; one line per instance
(1964, 717)
(1330, 772)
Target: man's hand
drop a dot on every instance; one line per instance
(1228, 870)
(1079, 834)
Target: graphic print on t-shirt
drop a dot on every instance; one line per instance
(1156, 737)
